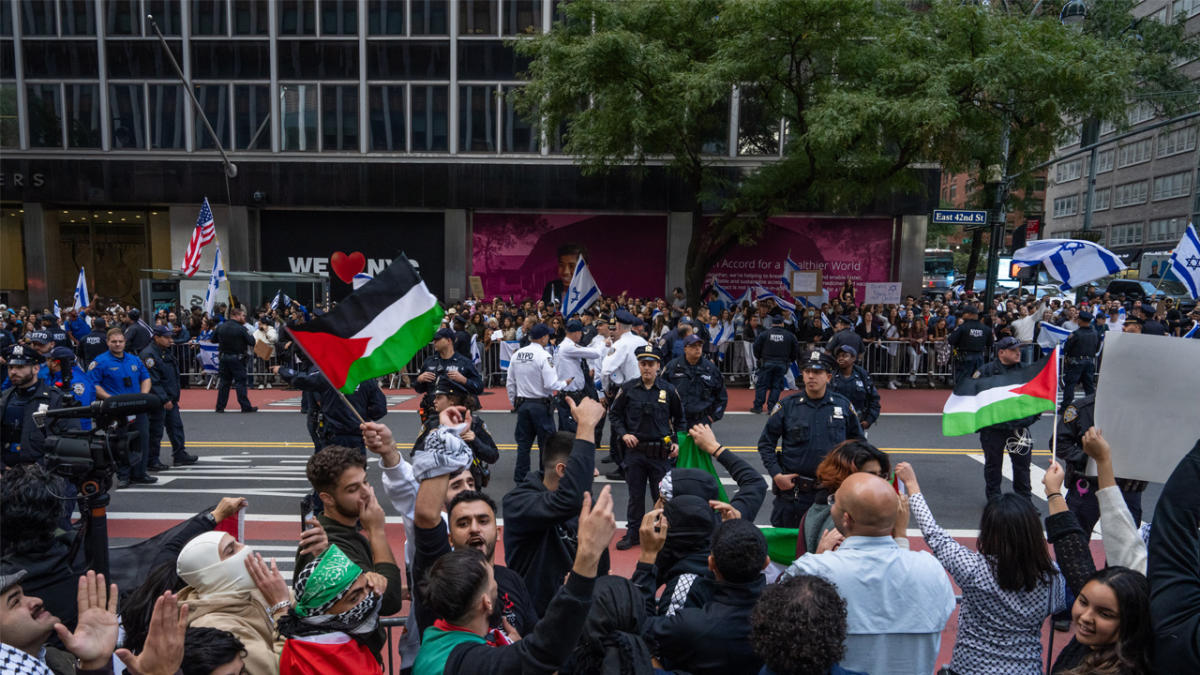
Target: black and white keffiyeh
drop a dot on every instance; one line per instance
(13, 661)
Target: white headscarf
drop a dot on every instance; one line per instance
(200, 565)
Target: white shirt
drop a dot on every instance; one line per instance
(1023, 327)
(620, 366)
(531, 374)
(567, 362)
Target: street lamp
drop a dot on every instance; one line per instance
(1073, 13)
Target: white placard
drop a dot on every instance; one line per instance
(806, 282)
(886, 293)
(1147, 400)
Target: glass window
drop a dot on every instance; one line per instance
(339, 17)
(252, 103)
(10, 129)
(1124, 235)
(522, 17)
(8, 65)
(122, 17)
(489, 60)
(339, 110)
(1135, 153)
(127, 111)
(519, 135)
(6, 27)
(208, 17)
(1104, 160)
(250, 17)
(429, 17)
(1129, 194)
(1177, 141)
(1068, 171)
(60, 58)
(758, 128)
(477, 17)
(1140, 113)
(166, 116)
(214, 101)
(385, 17)
(167, 15)
(306, 59)
(1173, 186)
(45, 115)
(476, 118)
(83, 115)
(409, 60)
(430, 128)
(1066, 206)
(1165, 230)
(714, 125)
(225, 59)
(141, 58)
(387, 114)
(298, 112)
(38, 17)
(297, 17)
(1103, 199)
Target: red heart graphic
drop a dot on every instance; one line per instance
(346, 266)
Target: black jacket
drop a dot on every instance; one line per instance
(231, 338)
(367, 399)
(860, 390)
(93, 344)
(809, 429)
(700, 386)
(33, 437)
(1173, 567)
(163, 371)
(776, 344)
(649, 414)
(713, 639)
(540, 526)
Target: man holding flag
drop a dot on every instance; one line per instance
(582, 292)
(1185, 261)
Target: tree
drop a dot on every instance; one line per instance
(864, 89)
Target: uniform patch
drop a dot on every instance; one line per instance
(150, 362)
(92, 365)
(1070, 414)
(662, 396)
(77, 388)
(815, 356)
(837, 412)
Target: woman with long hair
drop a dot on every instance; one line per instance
(1009, 584)
(847, 457)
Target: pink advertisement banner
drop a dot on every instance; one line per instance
(515, 254)
(858, 249)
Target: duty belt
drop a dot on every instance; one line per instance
(544, 400)
(802, 485)
(1080, 359)
(654, 449)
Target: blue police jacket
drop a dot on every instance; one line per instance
(118, 375)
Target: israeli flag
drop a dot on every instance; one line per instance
(582, 292)
(725, 295)
(507, 348)
(214, 283)
(825, 325)
(209, 357)
(789, 266)
(57, 310)
(1185, 261)
(1194, 331)
(764, 294)
(476, 358)
(81, 294)
(360, 279)
(281, 300)
(1051, 336)
(1071, 261)
(747, 296)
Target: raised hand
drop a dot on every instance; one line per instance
(652, 534)
(378, 438)
(830, 541)
(162, 653)
(596, 528)
(587, 412)
(313, 540)
(1053, 480)
(95, 633)
(371, 516)
(906, 475)
(229, 506)
(1095, 446)
(726, 511)
(705, 439)
(268, 579)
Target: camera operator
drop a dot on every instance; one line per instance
(63, 373)
(22, 441)
(113, 373)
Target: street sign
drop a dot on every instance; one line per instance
(960, 217)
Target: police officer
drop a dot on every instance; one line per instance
(1074, 422)
(1079, 357)
(94, 343)
(446, 393)
(854, 382)
(1013, 436)
(21, 440)
(232, 342)
(532, 385)
(446, 362)
(163, 368)
(646, 415)
(137, 333)
(776, 349)
(573, 360)
(970, 340)
(113, 373)
(699, 383)
(618, 368)
(61, 372)
(844, 335)
(42, 342)
(807, 426)
(338, 425)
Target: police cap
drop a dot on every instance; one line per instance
(623, 316)
(62, 354)
(447, 333)
(1008, 342)
(638, 321)
(99, 323)
(1085, 317)
(134, 314)
(539, 331)
(647, 353)
(161, 331)
(40, 336)
(819, 360)
(1133, 320)
(448, 387)
(849, 349)
(20, 355)
(842, 319)
(574, 326)
(692, 339)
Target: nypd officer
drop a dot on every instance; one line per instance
(1013, 436)
(61, 372)
(646, 415)
(807, 426)
(776, 349)
(532, 386)
(232, 343)
(137, 333)
(113, 373)
(94, 343)
(970, 340)
(163, 368)
(1079, 356)
(1076, 419)
(445, 363)
(574, 360)
(336, 424)
(618, 368)
(699, 383)
(852, 381)
(21, 440)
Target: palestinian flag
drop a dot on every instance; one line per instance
(375, 331)
(980, 402)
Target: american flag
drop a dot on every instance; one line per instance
(205, 232)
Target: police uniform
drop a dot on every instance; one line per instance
(970, 340)
(618, 368)
(806, 430)
(232, 342)
(93, 344)
(484, 450)
(440, 367)
(999, 438)
(124, 374)
(21, 440)
(531, 384)
(137, 335)
(573, 361)
(858, 388)
(775, 349)
(163, 369)
(1076, 419)
(700, 387)
(1079, 360)
(653, 415)
(336, 424)
(70, 381)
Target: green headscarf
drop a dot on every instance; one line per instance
(319, 589)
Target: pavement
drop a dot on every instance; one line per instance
(262, 457)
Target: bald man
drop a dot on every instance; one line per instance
(897, 601)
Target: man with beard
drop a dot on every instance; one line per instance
(354, 520)
(472, 524)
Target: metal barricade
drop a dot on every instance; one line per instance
(900, 358)
(391, 655)
(493, 374)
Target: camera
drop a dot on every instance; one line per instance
(90, 458)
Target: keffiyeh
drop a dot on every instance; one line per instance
(445, 453)
(319, 586)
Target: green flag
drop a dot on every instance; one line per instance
(781, 543)
(692, 457)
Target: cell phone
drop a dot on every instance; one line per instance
(306, 512)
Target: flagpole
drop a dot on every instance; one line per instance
(1054, 431)
(330, 382)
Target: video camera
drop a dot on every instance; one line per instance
(90, 458)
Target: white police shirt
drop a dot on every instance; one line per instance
(567, 362)
(620, 366)
(531, 374)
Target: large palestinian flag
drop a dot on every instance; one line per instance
(376, 330)
(980, 402)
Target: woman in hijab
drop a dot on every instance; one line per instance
(611, 643)
(337, 608)
(230, 587)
